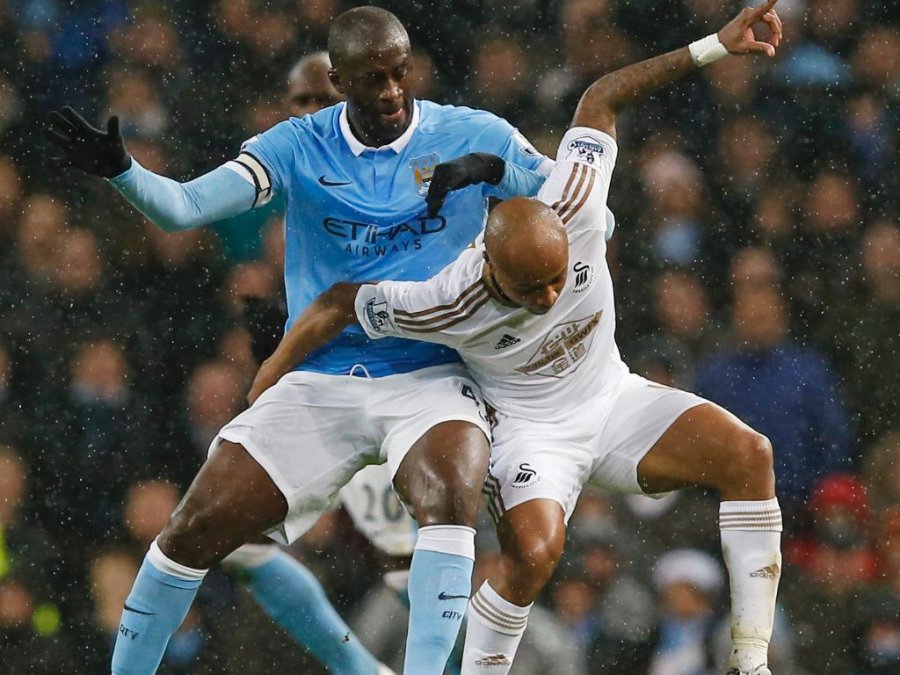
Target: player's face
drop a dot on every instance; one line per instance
(536, 293)
(379, 96)
(307, 95)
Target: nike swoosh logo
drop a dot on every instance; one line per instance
(330, 183)
(444, 596)
(137, 611)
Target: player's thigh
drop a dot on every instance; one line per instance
(642, 412)
(709, 446)
(535, 461)
(434, 429)
(229, 501)
(309, 434)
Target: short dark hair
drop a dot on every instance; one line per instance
(359, 28)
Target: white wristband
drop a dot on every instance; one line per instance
(707, 50)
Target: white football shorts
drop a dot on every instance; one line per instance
(312, 432)
(377, 512)
(601, 440)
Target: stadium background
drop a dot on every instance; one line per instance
(757, 261)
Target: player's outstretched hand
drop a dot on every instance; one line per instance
(478, 167)
(84, 146)
(739, 36)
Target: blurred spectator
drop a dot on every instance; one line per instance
(148, 505)
(30, 636)
(755, 267)
(837, 554)
(98, 423)
(867, 333)
(684, 314)
(876, 613)
(688, 584)
(881, 471)
(784, 390)
(835, 564)
(215, 395)
(623, 612)
(499, 77)
(11, 412)
(308, 87)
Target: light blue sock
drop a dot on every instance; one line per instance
(155, 608)
(440, 580)
(295, 600)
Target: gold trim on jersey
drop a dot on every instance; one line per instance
(440, 317)
(566, 207)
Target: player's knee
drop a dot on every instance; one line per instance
(535, 551)
(189, 538)
(452, 500)
(536, 558)
(752, 459)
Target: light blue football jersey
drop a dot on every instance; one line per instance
(359, 214)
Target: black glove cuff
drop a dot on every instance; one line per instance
(493, 167)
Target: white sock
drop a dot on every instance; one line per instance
(751, 544)
(493, 633)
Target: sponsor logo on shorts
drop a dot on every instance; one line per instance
(507, 341)
(526, 476)
(767, 572)
(494, 660)
(377, 315)
(584, 275)
(585, 149)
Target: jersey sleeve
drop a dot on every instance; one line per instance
(500, 138)
(422, 310)
(266, 161)
(578, 185)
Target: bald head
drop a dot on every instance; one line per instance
(528, 251)
(358, 32)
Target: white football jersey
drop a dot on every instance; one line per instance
(527, 365)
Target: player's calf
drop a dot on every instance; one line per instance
(532, 538)
(231, 500)
(750, 525)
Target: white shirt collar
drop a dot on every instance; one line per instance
(397, 145)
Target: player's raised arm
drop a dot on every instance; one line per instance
(606, 97)
(171, 205)
(320, 323)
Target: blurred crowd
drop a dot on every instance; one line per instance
(756, 261)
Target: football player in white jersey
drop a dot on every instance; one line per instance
(532, 315)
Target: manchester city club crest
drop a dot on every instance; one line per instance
(423, 169)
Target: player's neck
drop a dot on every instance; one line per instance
(493, 287)
(372, 139)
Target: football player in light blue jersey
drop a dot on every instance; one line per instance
(355, 178)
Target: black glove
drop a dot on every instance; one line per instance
(478, 167)
(265, 320)
(98, 152)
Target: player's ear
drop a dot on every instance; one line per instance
(335, 80)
